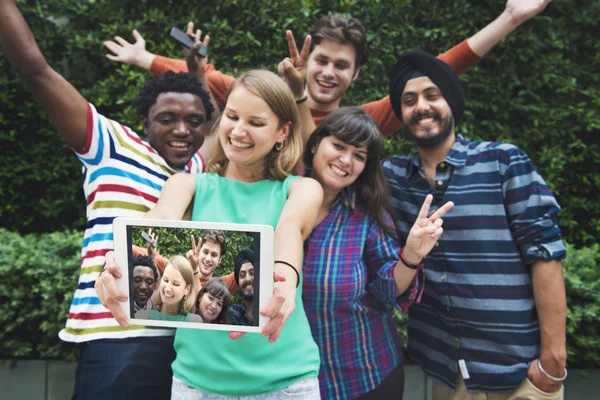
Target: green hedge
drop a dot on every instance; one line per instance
(538, 89)
(38, 274)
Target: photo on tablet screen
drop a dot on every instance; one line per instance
(195, 275)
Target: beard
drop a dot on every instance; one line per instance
(429, 141)
(247, 296)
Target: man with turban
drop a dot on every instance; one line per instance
(242, 314)
(491, 321)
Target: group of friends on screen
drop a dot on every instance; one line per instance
(184, 288)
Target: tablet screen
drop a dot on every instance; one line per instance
(194, 274)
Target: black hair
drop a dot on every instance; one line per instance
(145, 261)
(181, 82)
(353, 126)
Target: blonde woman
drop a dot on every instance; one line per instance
(258, 144)
(174, 300)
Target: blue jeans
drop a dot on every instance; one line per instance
(136, 368)
(306, 389)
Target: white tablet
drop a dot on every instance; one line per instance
(166, 299)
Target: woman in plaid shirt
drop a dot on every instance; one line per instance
(355, 271)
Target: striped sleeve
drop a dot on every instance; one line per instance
(531, 209)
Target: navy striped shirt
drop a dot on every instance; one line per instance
(478, 303)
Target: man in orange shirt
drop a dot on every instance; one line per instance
(337, 52)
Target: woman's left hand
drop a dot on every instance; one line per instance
(426, 231)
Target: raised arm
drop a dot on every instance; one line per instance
(136, 54)
(293, 70)
(515, 13)
(65, 106)
(175, 201)
(196, 66)
(295, 224)
(130, 53)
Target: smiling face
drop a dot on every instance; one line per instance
(249, 129)
(426, 115)
(209, 307)
(331, 68)
(143, 284)
(174, 127)
(173, 287)
(246, 281)
(210, 258)
(337, 165)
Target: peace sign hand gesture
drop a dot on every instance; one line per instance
(193, 255)
(425, 232)
(293, 68)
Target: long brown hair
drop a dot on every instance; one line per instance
(353, 126)
(279, 164)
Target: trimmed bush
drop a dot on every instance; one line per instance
(582, 280)
(38, 275)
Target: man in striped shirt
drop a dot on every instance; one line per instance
(492, 317)
(123, 176)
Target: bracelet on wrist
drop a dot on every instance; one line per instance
(302, 99)
(292, 267)
(552, 378)
(407, 263)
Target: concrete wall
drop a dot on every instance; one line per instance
(54, 380)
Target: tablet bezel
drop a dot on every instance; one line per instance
(122, 249)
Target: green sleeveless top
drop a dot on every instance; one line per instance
(209, 360)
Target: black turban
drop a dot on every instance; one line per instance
(244, 256)
(438, 71)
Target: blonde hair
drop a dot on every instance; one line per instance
(279, 164)
(181, 264)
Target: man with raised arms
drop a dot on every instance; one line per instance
(337, 52)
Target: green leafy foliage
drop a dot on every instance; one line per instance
(38, 275)
(582, 280)
(538, 89)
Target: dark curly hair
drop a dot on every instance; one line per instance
(145, 261)
(181, 82)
